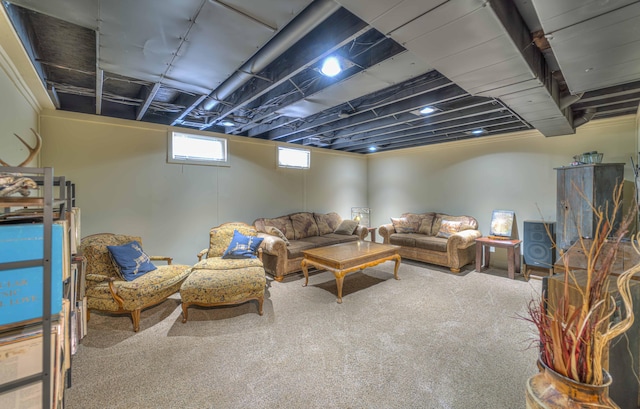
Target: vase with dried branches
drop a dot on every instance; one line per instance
(575, 330)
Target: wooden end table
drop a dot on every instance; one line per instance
(513, 256)
(342, 259)
(372, 232)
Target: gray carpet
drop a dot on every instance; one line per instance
(430, 340)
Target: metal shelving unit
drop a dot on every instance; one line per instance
(46, 203)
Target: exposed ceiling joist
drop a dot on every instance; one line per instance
(507, 65)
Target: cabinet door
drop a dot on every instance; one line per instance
(575, 196)
(579, 188)
(605, 181)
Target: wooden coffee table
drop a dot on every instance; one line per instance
(345, 258)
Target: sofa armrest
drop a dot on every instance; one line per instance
(386, 230)
(362, 232)
(461, 248)
(273, 245)
(463, 239)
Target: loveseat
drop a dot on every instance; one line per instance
(285, 238)
(434, 238)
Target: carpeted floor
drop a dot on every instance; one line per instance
(430, 340)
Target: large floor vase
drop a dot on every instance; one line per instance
(550, 390)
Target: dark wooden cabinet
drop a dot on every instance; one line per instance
(580, 189)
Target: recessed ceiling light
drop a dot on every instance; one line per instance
(331, 67)
(427, 110)
(227, 123)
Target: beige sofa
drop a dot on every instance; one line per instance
(435, 238)
(285, 238)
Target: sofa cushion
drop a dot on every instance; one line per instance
(242, 246)
(435, 227)
(304, 225)
(218, 263)
(130, 261)
(448, 227)
(415, 219)
(403, 225)
(282, 223)
(297, 246)
(320, 241)
(426, 223)
(274, 231)
(340, 238)
(152, 287)
(431, 243)
(327, 223)
(347, 227)
(467, 222)
(404, 239)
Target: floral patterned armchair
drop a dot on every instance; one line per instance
(215, 280)
(105, 289)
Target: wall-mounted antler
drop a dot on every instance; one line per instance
(14, 182)
(33, 151)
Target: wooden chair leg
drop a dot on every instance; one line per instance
(260, 302)
(135, 316)
(184, 312)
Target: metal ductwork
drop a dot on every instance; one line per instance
(585, 117)
(308, 19)
(483, 46)
(570, 100)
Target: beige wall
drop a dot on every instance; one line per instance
(22, 97)
(510, 172)
(125, 185)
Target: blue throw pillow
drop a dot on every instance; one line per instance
(130, 260)
(242, 246)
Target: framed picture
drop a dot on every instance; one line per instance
(502, 223)
(361, 215)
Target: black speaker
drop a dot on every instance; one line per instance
(538, 243)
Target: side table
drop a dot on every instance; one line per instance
(513, 256)
(372, 232)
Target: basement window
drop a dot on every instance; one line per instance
(197, 149)
(294, 158)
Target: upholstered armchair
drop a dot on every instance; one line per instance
(216, 280)
(108, 291)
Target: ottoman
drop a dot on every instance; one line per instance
(229, 282)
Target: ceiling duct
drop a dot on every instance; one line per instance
(306, 21)
(483, 46)
(596, 43)
(586, 117)
(570, 100)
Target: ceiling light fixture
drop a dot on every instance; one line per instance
(227, 123)
(479, 131)
(331, 67)
(427, 110)
(372, 148)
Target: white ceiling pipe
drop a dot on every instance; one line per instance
(306, 21)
